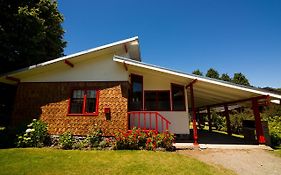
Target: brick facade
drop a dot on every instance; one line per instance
(49, 102)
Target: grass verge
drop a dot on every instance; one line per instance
(53, 161)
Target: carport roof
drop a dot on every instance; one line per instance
(207, 91)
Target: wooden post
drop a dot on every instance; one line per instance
(259, 129)
(195, 136)
(209, 118)
(227, 120)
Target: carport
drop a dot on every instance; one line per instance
(204, 93)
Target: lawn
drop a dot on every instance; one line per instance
(54, 161)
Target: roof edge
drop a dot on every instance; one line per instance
(70, 56)
(192, 76)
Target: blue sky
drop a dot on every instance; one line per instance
(227, 35)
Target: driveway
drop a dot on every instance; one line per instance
(244, 162)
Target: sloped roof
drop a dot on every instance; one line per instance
(131, 43)
(207, 91)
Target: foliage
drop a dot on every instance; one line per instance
(241, 79)
(54, 161)
(30, 33)
(138, 139)
(212, 73)
(95, 137)
(66, 140)
(236, 120)
(36, 135)
(197, 72)
(225, 77)
(273, 115)
(218, 121)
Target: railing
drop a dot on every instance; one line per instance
(148, 120)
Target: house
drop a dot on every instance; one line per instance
(111, 87)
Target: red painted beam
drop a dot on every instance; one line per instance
(125, 66)
(259, 129)
(191, 83)
(125, 47)
(68, 63)
(226, 112)
(195, 135)
(13, 79)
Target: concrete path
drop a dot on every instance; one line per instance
(256, 161)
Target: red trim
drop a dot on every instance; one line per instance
(13, 79)
(195, 135)
(125, 47)
(183, 100)
(84, 113)
(209, 118)
(146, 91)
(68, 63)
(259, 129)
(191, 83)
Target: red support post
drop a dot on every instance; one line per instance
(139, 120)
(259, 129)
(162, 123)
(227, 120)
(144, 120)
(156, 120)
(150, 126)
(209, 118)
(195, 135)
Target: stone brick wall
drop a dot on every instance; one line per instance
(49, 102)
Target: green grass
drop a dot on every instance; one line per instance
(54, 161)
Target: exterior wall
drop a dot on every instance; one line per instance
(155, 81)
(49, 102)
(101, 68)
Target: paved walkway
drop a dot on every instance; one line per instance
(256, 161)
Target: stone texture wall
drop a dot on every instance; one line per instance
(49, 102)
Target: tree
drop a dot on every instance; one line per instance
(225, 77)
(241, 79)
(212, 73)
(30, 33)
(197, 72)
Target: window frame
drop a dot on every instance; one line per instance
(172, 100)
(84, 113)
(132, 77)
(145, 91)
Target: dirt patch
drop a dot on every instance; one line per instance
(252, 161)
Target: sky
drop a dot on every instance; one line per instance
(227, 35)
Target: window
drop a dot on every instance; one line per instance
(136, 93)
(178, 99)
(84, 102)
(157, 100)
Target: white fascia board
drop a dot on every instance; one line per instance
(203, 79)
(71, 56)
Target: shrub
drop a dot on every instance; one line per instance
(138, 139)
(66, 140)
(35, 135)
(95, 137)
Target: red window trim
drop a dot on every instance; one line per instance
(84, 104)
(145, 91)
(172, 106)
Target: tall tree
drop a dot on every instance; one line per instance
(197, 72)
(225, 77)
(241, 79)
(212, 73)
(30, 32)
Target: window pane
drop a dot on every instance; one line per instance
(163, 101)
(136, 95)
(76, 106)
(178, 98)
(150, 101)
(91, 101)
(78, 94)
